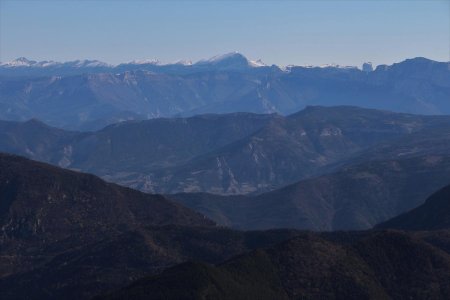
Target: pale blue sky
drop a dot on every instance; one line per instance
(278, 32)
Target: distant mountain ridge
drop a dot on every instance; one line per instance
(228, 61)
(23, 66)
(231, 61)
(319, 152)
(88, 95)
(308, 143)
(225, 154)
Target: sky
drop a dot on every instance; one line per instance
(278, 32)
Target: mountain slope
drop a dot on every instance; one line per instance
(44, 204)
(70, 235)
(83, 270)
(36, 140)
(354, 197)
(289, 149)
(374, 266)
(232, 153)
(47, 211)
(129, 146)
(434, 214)
(143, 146)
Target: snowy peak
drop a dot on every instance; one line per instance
(24, 62)
(230, 60)
(226, 56)
(19, 62)
(152, 61)
(231, 57)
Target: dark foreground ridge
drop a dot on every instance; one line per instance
(46, 203)
(70, 235)
(50, 218)
(371, 265)
(336, 265)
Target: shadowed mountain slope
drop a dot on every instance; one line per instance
(46, 203)
(361, 266)
(41, 205)
(36, 140)
(355, 197)
(132, 147)
(434, 214)
(143, 146)
(70, 235)
(83, 270)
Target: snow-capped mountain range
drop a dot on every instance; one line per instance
(24, 62)
(91, 94)
(232, 59)
(232, 56)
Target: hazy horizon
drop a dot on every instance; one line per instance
(281, 33)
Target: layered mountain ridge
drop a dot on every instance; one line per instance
(82, 251)
(93, 97)
(227, 144)
(70, 235)
(353, 198)
(224, 154)
(377, 264)
(319, 152)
